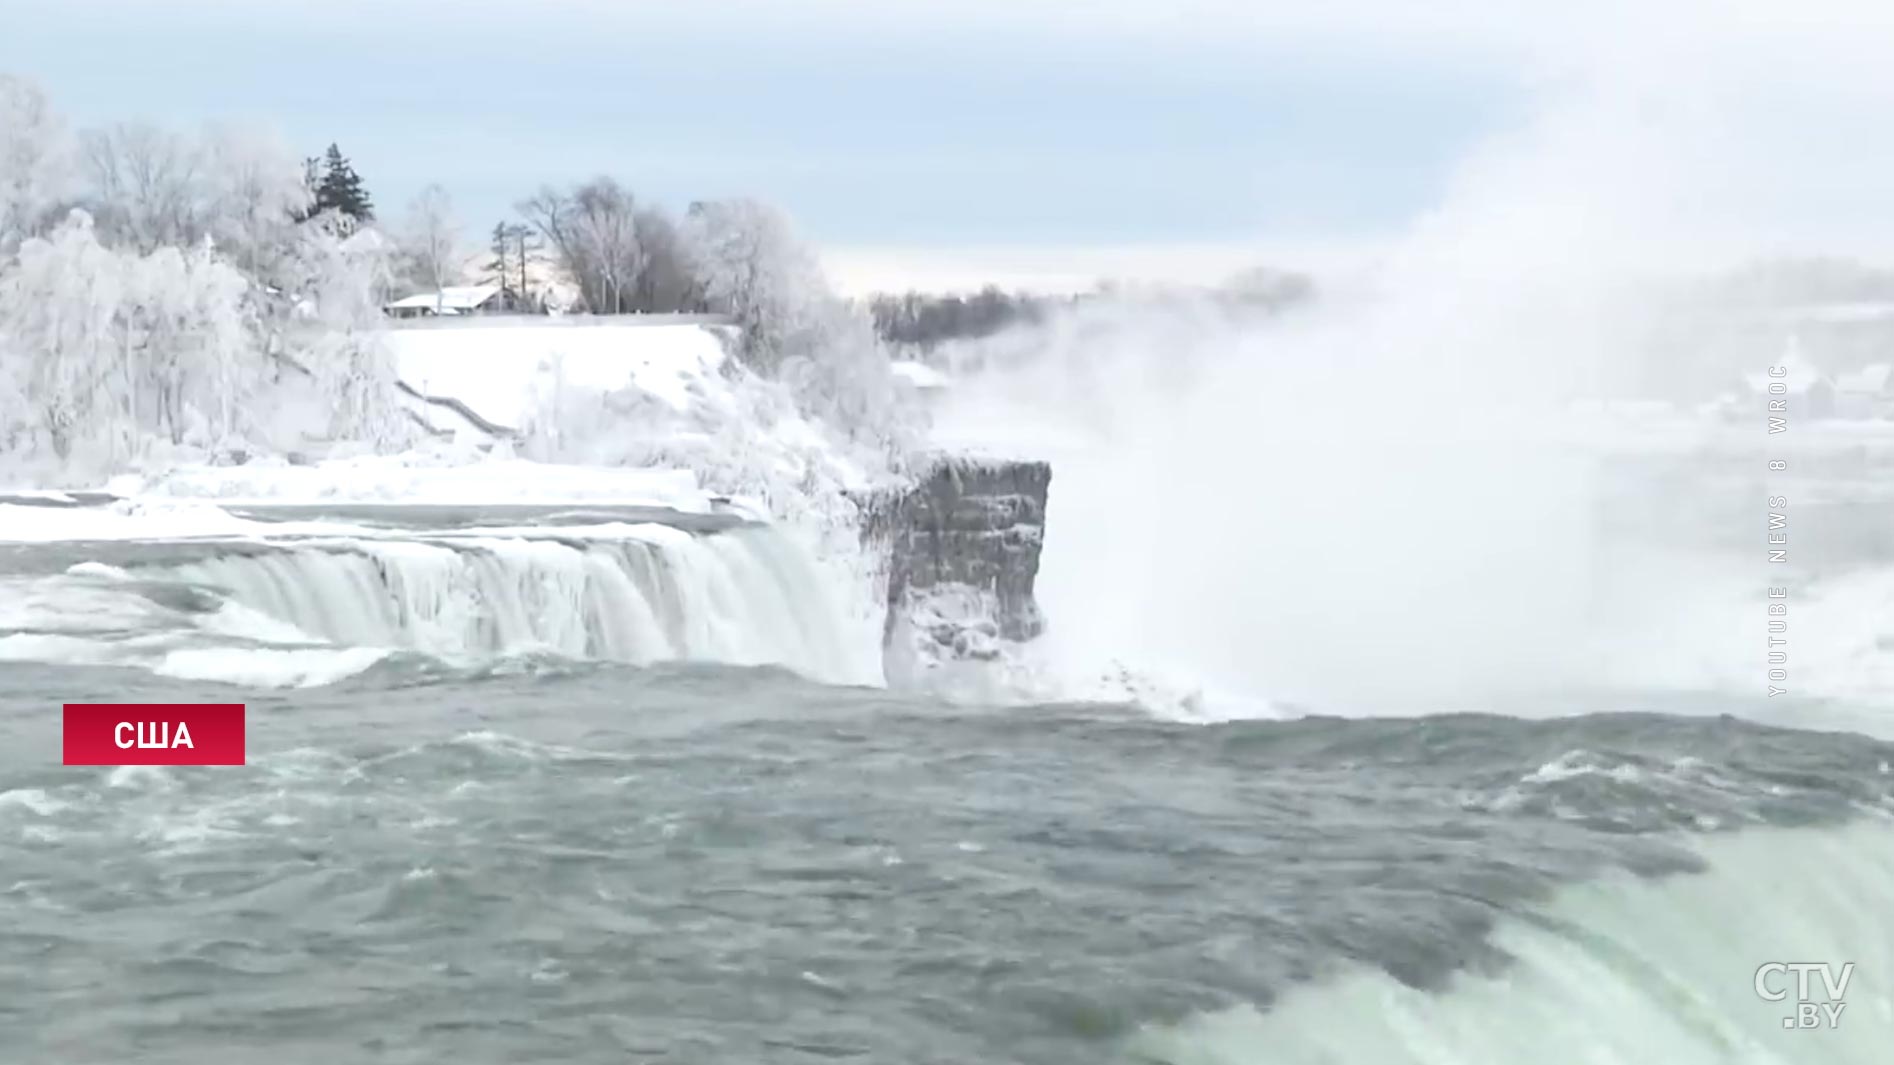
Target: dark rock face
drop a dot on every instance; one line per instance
(968, 526)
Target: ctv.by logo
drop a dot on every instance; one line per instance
(1774, 979)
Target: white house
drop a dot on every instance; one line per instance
(453, 301)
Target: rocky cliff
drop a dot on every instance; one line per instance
(962, 551)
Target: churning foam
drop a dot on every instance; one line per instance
(1618, 972)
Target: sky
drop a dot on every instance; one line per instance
(958, 137)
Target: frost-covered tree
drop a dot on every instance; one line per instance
(668, 282)
(335, 332)
(111, 349)
(845, 378)
(60, 336)
(430, 241)
(145, 185)
(752, 266)
(623, 258)
(35, 163)
(205, 363)
(604, 224)
(175, 316)
(593, 229)
(254, 193)
(17, 428)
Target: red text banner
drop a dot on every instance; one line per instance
(154, 734)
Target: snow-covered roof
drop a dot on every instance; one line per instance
(452, 299)
(1867, 379)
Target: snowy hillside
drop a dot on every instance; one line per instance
(506, 368)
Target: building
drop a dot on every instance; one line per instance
(453, 301)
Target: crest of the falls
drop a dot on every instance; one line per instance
(746, 595)
(742, 596)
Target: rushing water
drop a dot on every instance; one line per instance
(499, 808)
(303, 609)
(599, 863)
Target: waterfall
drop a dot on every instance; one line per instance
(743, 596)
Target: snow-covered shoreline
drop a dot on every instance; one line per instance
(198, 501)
(412, 478)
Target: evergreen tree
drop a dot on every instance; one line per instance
(497, 267)
(341, 188)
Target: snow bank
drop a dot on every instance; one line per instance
(609, 394)
(503, 374)
(195, 501)
(132, 520)
(621, 392)
(161, 519)
(441, 477)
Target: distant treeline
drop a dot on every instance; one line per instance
(924, 321)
